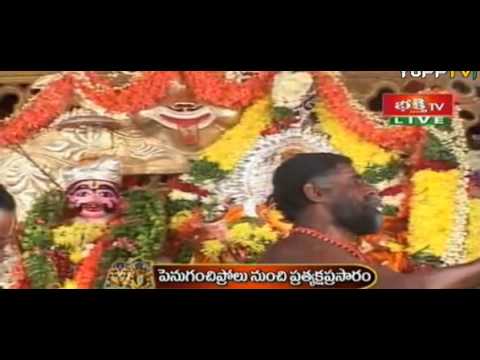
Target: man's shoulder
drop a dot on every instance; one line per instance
(289, 251)
(299, 250)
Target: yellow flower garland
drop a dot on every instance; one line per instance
(179, 219)
(473, 239)
(432, 213)
(70, 285)
(233, 145)
(213, 249)
(254, 239)
(75, 238)
(362, 153)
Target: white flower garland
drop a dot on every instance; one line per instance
(291, 88)
(379, 121)
(240, 76)
(181, 195)
(456, 142)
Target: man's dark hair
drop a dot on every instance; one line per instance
(7, 202)
(292, 175)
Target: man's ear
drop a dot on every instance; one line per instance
(312, 193)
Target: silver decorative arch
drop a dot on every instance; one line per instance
(251, 182)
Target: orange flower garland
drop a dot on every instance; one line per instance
(336, 100)
(20, 276)
(87, 273)
(38, 114)
(213, 88)
(144, 92)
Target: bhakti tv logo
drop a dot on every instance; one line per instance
(418, 110)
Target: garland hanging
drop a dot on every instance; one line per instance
(213, 88)
(432, 213)
(473, 243)
(336, 99)
(141, 234)
(233, 145)
(143, 92)
(38, 113)
(363, 154)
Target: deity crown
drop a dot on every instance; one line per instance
(106, 169)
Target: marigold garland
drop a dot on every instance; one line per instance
(213, 250)
(143, 92)
(254, 239)
(88, 271)
(142, 233)
(38, 113)
(213, 88)
(233, 145)
(276, 220)
(335, 97)
(432, 211)
(363, 154)
(248, 239)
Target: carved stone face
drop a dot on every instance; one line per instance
(94, 200)
(189, 124)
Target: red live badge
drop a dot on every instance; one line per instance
(418, 105)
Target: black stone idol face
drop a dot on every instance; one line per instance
(473, 137)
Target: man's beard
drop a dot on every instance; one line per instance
(357, 219)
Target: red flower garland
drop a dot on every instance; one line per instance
(40, 113)
(142, 93)
(336, 100)
(88, 270)
(213, 88)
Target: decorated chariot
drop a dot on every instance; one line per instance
(112, 174)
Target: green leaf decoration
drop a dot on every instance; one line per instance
(436, 151)
(146, 224)
(281, 113)
(175, 206)
(390, 210)
(203, 170)
(377, 174)
(41, 272)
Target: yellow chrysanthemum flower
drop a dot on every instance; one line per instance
(253, 238)
(179, 219)
(241, 232)
(76, 256)
(76, 237)
(232, 146)
(432, 210)
(213, 249)
(70, 284)
(265, 233)
(78, 234)
(362, 153)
